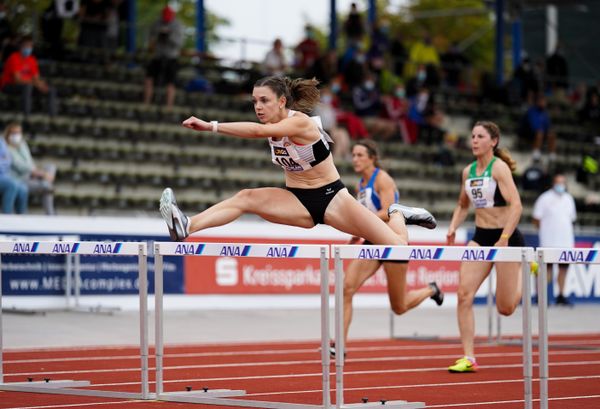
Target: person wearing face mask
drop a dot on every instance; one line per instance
(13, 193)
(366, 101)
(21, 76)
(553, 214)
(38, 180)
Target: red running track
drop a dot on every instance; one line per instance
(291, 372)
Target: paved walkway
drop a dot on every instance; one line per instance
(64, 329)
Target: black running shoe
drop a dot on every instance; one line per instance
(177, 222)
(438, 295)
(563, 301)
(332, 351)
(414, 215)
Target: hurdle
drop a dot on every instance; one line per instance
(524, 255)
(224, 396)
(553, 256)
(67, 387)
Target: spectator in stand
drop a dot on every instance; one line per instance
(395, 109)
(554, 214)
(398, 54)
(352, 122)
(327, 111)
(557, 72)
(307, 51)
(275, 61)
(325, 68)
(353, 66)
(38, 180)
(166, 40)
(12, 191)
(454, 63)
(380, 44)
(527, 80)
(21, 76)
(366, 100)
(354, 27)
(537, 128)
(590, 112)
(93, 23)
(422, 53)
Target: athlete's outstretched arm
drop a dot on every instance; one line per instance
(296, 126)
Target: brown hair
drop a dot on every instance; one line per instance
(9, 127)
(300, 94)
(502, 153)
(372, 150)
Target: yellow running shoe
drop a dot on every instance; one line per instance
(464, 364)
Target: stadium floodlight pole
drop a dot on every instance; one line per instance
(200, 26)
(499, 63)
(332, 25)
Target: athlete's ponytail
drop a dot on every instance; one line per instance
(501, 153)
(300, 94)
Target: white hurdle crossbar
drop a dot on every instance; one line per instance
(524, 255)
(547, 256)
(223, 396)
(65, 387)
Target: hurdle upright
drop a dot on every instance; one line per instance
(66, 387)
(524, 255)
(223, 396)
(547, 256)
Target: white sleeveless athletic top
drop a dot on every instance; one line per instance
(296, 158)
(482, 189)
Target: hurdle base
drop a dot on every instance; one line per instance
(67, 383)
(202, 397)
(388, 404)
(211, 393)
(66, 387)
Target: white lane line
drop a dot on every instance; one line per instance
(290, 351)
(297, 362)
(455, 405)
(429, 385)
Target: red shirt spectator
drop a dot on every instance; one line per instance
(19, 69)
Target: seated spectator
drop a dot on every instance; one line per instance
(38, 180)
(395, 109)
(13, 192)
(354, 27)
(21, 76)
(327, 111)
(325, 68)
(446, 156)
(166, 40)
(307, 51)
(367, 104)
(352, 122)
(536, 128)
(422, 53)
(275, 62)
(590, 112)
(454, 63)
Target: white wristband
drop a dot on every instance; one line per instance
(215, 126)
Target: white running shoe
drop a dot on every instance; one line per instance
(177, 222)
(414, 215)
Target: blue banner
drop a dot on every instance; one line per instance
(27, 274)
